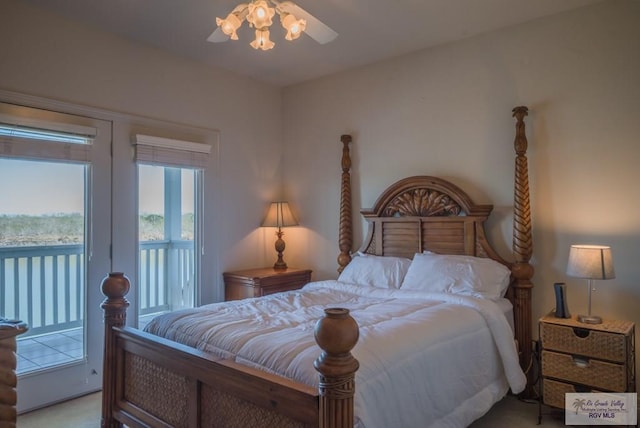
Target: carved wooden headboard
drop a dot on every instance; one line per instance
(428, 213)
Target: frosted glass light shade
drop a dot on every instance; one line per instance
(229, 25)
(262, 41)
(260, 14)
(294, 26)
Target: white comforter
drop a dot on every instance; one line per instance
(426, 360)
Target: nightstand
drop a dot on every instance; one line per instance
(578, 357)
(263, 281)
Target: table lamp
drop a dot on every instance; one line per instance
(590, 262)
(279, 216)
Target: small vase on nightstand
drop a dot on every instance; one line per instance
(562, 308)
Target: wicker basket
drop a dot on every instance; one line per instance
(553, 392)
(156, 390)
(595, 344)
(598, 374)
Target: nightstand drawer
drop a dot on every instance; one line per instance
(598, 374)
(584, 341)
(553, 392)
(263, 281)
(274, 284)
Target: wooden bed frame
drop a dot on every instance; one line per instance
(151, 381)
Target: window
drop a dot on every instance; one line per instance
(169, 217)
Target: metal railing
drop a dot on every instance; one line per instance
(44, 285)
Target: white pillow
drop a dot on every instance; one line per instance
(375, 271)
(473, 276)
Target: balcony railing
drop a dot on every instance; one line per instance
(165, 263)
(44, 285)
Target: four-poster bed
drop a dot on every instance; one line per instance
(153, 381)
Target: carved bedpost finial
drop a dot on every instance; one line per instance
(115, 287)
(336, 334)
(345, 238)
(522, 247)
(520, 142)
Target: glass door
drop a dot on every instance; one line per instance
(55, 229)
(42, 254)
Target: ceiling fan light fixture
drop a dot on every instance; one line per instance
(294, 26)
(260, 14)
(262, 41)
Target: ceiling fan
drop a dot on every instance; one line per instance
(259, 14)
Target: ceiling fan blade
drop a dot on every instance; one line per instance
(315, 29)
(217, 36)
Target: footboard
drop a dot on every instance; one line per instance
(151, 381)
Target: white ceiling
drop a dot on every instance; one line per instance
(369, 30)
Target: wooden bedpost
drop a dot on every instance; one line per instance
(345, 238)
(336, 334)
(115, 287)
(9, 330)
(522, 249)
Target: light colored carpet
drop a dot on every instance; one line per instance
(513, 413)
(84, 412)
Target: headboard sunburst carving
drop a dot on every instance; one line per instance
(422, 203)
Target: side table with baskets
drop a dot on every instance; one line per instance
(579, 357)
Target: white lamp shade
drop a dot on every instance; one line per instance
(590, 262)
(279, 215)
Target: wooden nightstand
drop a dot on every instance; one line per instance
(578, 357)
(260, 282)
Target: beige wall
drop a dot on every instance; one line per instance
(447, 112)
(44, 55)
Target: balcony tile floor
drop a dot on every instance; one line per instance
(40, 352)
(47, 350)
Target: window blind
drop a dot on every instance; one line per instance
(169, 152)
(20, 142)
(47, 126)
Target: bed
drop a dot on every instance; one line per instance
(295, 358)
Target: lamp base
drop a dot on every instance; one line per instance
(590, 319)
(280, 265)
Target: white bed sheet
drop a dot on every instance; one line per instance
(428, 360)
(506, 307)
